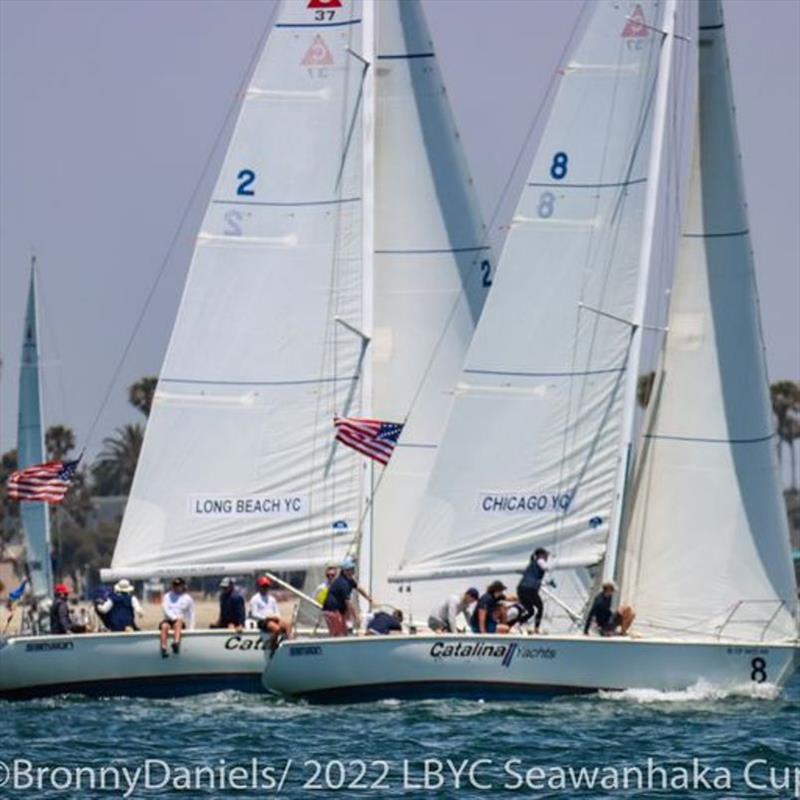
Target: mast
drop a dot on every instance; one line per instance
(640, 303)
(368, 28)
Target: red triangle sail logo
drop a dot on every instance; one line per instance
(324, 4)
(636, 25)
(318, 55)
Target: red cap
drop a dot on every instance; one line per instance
(60, 588)
(263, 581)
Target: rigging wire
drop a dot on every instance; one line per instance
(238, 98)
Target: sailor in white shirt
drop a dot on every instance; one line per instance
(264, 610)
(445, 618)
(178, 608)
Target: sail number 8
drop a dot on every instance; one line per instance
(759, 673)
(558, 169)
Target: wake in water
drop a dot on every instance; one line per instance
(699, 692)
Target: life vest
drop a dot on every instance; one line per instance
(121, 615)
(533, 576)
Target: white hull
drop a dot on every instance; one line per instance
(374, 667)
(130, 664)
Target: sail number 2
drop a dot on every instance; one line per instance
(246, 178)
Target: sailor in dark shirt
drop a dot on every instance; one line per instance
(609, 623)
(338, 608)
(231, 606)
(60, 618)
(484, 617)
(530, 584)
(383, 623)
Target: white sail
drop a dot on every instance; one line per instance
(707, 550)
(359, 278)
(238, 470)
(531, 445)
(432, 267)
(30, 450)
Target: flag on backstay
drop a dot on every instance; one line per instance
(372, 437)
(42, 483)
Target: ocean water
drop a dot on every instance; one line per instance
(700, 743)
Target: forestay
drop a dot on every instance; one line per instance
(432, 266)
(707, 550)
(239, 469)
(531, 445)
(30, 450)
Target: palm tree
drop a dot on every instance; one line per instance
(140, 394)
(113, 471)
(785, 397)
(58, 440)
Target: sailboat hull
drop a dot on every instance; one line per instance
(130, 664)
(370, 668)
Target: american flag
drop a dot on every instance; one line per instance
(372, 437)
(42, 483)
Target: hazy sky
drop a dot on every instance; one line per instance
(108, 112)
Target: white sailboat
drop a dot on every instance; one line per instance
(697, 532)
(338, 245)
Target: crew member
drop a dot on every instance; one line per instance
(338, 607)
(383, 623)
(321, 592)
(445, 618)
(178, 608)
(231, 606)
(609, 623)
(60, 617)
(484, 617)
(120, 610)
(529, 586)
(264, 610)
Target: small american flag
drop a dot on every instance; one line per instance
(42, 483)
(371, 437)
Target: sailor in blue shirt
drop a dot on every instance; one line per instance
(484, 617)
(383, 623)
(231, 606)
(530, 584)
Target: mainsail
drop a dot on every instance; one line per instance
(239, 469)
(30, 450)
(338, 269)
(707, 549)
(531, 446)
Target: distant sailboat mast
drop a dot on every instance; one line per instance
(30, 449)
(640, 303)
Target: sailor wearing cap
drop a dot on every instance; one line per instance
(60, 618)
(231, 605)
(178, 608)
(121, 608)
(338, 607)
(264, 610)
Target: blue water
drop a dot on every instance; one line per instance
(226, 730)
